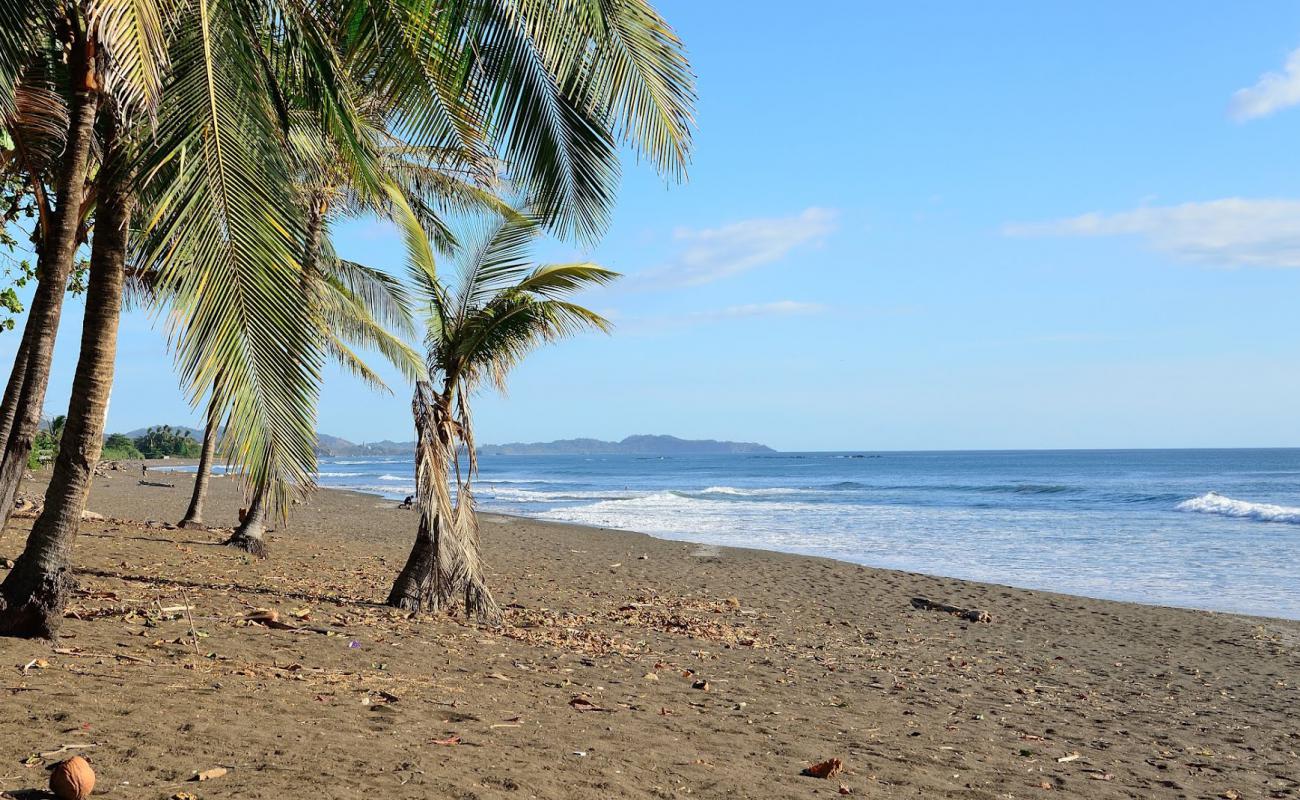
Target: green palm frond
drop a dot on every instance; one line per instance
(22, 22)
(383, 296)
(345, 317)
(134, 37)
(224, 236)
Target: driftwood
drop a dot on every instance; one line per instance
(144, 482)
(969, 614)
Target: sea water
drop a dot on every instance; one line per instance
(1209, 529)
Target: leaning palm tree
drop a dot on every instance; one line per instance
(501, 307)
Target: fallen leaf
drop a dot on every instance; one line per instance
(581, 703)
(827, 769)
(209, 774)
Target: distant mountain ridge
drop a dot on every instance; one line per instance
(641, 445)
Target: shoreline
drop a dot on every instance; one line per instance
(627, 666)
(805, 554)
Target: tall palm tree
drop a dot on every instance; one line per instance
(500, 308)
(51, 120)
(196, 89)
(183, 96)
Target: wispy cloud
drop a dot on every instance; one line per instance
(710, 254)
(658, 323)
(1233, 231)
(779, 308)
(1273, 92)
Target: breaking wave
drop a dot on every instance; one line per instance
(1215, 503)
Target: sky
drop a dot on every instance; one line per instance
(917, 225)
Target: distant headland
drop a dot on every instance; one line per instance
(642, 445)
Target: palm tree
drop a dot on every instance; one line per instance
(352, 305)
(201, 147)
(52, 132)
(501, 307)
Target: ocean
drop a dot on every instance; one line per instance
(1208, 529)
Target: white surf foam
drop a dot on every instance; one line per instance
(1215, 503)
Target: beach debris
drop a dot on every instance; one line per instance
(583, 703)
(450, 741)
(72, 779)
(35, 663)
(968, 614)
(825, 769)
(845, 790)
(209, 774)
(182, 796)
(702, 685)
(157, 484)
(7, 563)
(1069, 758)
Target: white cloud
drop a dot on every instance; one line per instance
(1233, 231)
(710, 254)
(1273, 92)
(669, 322)
(779, 308)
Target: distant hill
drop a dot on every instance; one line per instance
(643, 445)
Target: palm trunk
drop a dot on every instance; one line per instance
(32, 598)
(9, 409)
(54, 264)
(194, 515)
(444, 563)
(250, 536)
(416, 587)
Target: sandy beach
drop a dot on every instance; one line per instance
(628, 666)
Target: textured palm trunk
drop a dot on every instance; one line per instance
(9, 408)
(54, 263)
(416, 587)
(250, 536)
(32, 598)
(194, 515)
(444, 563)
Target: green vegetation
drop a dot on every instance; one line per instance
(162, 441)
(120, 447)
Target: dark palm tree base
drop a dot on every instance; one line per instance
(405, 602)
(192, 525)
(249, 544)
(32, 603)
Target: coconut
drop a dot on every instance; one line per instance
(72, 779)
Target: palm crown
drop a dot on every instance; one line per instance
(498, 308)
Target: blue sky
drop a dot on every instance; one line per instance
(921, 225)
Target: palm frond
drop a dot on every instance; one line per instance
(22, 22)
(134, 38)
(224, 237)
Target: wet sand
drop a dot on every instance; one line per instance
(628, 667)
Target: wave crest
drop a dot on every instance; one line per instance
(1215, 503)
